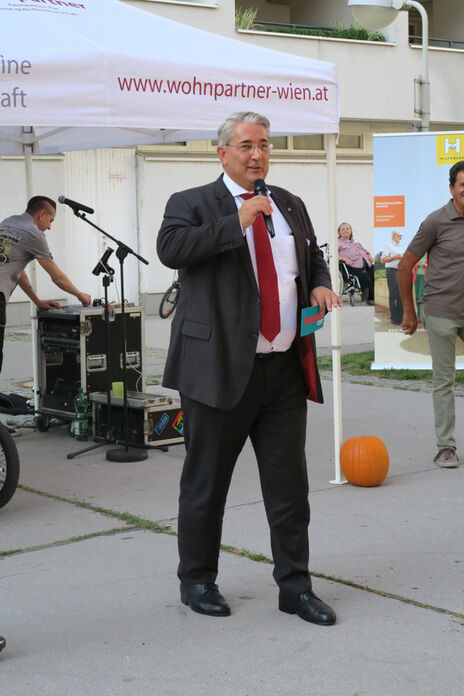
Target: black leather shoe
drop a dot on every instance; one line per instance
(308, 607)
(2, 643)
(204, 598)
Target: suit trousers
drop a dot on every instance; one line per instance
(272, 412)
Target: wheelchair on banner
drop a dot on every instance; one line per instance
(347, 283)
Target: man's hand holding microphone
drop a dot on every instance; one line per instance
(258, 205)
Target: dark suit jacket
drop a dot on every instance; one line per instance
(216, 326)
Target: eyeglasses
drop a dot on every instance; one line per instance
(247, 148)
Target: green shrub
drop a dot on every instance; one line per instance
(338, 31)
(244, 18)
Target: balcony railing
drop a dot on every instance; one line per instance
(293, 26)
(439, 43)
(353, 32)
(336, 31)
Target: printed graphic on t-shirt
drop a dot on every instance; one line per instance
(7, 240)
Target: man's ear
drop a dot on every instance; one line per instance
(221, 152)
(36, 217)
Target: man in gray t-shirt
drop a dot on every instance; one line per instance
(22, 240)
(441, 237)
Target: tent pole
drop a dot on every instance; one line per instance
(28, 167)
(33, 280)
(29, 187)
(330, 141)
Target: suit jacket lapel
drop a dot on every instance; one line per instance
(227, 206)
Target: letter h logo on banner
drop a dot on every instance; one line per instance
(453, 146)
(449, 148)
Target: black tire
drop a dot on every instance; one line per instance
(352, 300)
(169, 301)
(9, 466)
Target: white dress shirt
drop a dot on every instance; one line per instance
(392, 249)
(285, 261)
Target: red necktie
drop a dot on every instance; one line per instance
(267, 278)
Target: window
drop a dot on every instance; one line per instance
(308, 142)
(280, 143)
(350, 142)
(179, 143)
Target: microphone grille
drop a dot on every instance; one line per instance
(260, 187)
(61, 199)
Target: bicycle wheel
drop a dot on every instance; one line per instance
(169, 301)
(9, 466)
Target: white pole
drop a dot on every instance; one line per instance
(330, 141)
(425, 81)
(28, 168)
(29, 186)
(32, 277)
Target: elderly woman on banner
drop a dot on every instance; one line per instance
(360, 263)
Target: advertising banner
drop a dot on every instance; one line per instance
(411, 180)
(104, 63)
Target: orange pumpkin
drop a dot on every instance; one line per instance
(364, 460)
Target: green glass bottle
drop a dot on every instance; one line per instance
(81, 419)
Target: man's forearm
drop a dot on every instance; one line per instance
(63, 282)
(26, 287)
(405, 288)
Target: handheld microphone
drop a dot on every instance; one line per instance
(76, 206)
(261, 190)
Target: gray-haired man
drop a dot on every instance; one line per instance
(238, 363)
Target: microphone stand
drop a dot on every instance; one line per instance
(121, 455)
(103, 267)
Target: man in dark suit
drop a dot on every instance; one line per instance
(238, 363)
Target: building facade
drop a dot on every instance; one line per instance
(130, 186)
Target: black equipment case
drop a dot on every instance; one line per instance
(153, 419)
(72, 354)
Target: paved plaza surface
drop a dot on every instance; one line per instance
(88, 557)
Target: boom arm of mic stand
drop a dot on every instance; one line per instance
(123, 250)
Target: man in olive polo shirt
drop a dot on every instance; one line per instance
(441, 236)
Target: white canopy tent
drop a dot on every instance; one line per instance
(100, 73)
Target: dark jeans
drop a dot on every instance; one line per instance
(2, 326)
(366, 280)
(396, 306)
